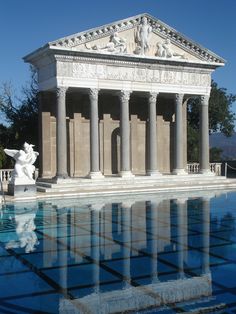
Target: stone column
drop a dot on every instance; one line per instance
(124, 134)
(94, 135)
(178, 151)
(40, 106)
(204, 137)
(61, 134)
(152, 136)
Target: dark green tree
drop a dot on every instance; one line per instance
(21, 115)
(221, 119)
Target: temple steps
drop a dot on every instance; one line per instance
(115, 185)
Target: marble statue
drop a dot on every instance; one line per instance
(142, 36)
(165, 50)
(25, 159)
(116, 44)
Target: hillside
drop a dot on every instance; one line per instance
(227, 144)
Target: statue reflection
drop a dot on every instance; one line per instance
(120, 233)
(26, 238)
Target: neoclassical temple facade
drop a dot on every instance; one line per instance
(113, 100)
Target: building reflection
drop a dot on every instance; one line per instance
(121, 232)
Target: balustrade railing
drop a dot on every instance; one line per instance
(5, 175)
(215, 167)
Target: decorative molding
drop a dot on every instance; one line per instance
(163, 75)
(157, 26)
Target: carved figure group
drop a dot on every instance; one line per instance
(165, 50)
(116, 44)
(142, 35)
(25, 159)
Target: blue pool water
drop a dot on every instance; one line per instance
(146, 254)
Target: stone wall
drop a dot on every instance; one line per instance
(78, 134)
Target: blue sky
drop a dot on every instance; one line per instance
(26, 25)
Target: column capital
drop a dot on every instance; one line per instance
(124, 95)
(152, 96)
(93, 93)
(61, 91)
(179, 98)
(204, 100)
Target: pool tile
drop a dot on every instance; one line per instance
(26, 283)
(79, 275)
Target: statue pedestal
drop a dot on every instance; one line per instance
(22, 187)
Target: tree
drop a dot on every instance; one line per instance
(221, 119)
(21, 116)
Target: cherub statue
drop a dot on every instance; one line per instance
(25, 159)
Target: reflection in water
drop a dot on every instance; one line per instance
(25, 237)
(120, 256)
(123, 239)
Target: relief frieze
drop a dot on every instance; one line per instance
(135, 74)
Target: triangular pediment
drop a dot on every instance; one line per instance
(141, 35)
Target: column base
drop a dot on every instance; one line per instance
(179, 172)
(153, 173)
(206, 172)
(126, 174)
(95, 175)
(60, 178)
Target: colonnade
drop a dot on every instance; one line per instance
(125, 159)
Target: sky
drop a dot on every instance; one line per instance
(26, 25)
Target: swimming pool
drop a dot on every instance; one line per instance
(148, 253)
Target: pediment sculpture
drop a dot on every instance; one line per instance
(165, 50)
(116, 44)
(142, 36)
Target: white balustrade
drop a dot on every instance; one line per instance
(5, 175)
(214, 167)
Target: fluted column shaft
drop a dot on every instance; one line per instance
(204, 136)
(61, 134)
(94, 134)
(124, 133)
(152, 135)
(178, 155)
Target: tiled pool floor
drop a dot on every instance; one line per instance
(146, 256)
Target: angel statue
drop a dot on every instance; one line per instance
(25, 159)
